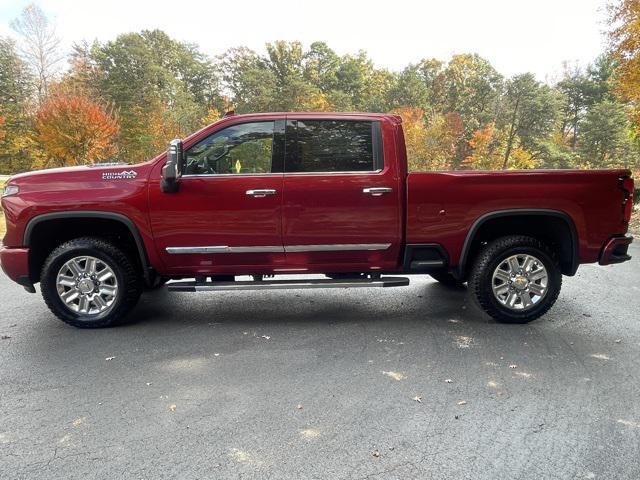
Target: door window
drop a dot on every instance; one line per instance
(332, 146)
(245, 148)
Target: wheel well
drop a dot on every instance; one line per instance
(555, 229)
(46, 235)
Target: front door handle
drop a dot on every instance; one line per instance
(261, 192)
(377, 191)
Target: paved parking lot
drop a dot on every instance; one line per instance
(389, 383)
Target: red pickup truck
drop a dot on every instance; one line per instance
(305, 193)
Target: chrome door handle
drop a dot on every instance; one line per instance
(377, 191)
(261, 192)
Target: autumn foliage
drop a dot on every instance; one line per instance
(73, 129)
(625, 43)
(125, 98)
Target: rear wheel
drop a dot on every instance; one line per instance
(90, 283)
(516, 279)
(446, 279)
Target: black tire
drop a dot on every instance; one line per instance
(128, 280)
(496, 252)
(446, 279)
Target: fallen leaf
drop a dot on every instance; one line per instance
(395, 375)
(513, 366)
(375, 453)
(629, 423)
(448, 380)
(464, 341)
(109, 358)
(172, 407)
(462, 402)
(418, 398)
(79, 421)
(310, 433)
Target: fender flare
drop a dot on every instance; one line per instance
(89, 214)
(574, 261)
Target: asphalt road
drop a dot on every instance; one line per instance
(323, 384)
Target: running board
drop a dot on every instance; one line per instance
(190, 286)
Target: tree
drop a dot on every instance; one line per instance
(16, 143)
(41, 46)
(161, 88)
(417, 85)
(487, 146)
(431, 144)
(252, 85)
(529, 114)
(624, 38)
(74, 130)
(469, 86)
(606, 140)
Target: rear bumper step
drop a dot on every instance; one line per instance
(615, 250)
(190, 286)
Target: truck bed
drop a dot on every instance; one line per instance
(443, 206)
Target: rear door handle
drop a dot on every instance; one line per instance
(377, 191)
(261, 192)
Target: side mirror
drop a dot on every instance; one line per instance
(172, 170)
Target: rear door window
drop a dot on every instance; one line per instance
(332, 146)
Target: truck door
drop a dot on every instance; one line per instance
(342, 200)
(226, 216)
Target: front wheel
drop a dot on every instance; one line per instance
(516, 279)
(90, 283)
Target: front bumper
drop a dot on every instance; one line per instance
(15, 263)
(615, 250)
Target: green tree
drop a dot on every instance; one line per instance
(530, 111)
(159, 86)
(606, 140)
(16, 142)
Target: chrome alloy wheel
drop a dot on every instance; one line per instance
(520, 281)
(87, 285)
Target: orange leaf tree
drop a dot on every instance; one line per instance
(74, 130)
(624, 37)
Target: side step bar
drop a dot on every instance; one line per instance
(190, 286)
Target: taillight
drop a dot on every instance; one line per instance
(626, 184)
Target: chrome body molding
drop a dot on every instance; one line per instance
(226, 249)
(336, 247)
(333, 247)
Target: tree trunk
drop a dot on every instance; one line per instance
(512, 133)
